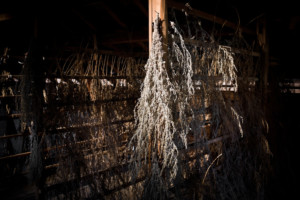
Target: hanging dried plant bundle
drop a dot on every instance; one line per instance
(230, 104)
(224, 65)
(167, 90)
(153, 138)
(182, 73)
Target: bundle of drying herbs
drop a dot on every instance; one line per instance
(199, 114)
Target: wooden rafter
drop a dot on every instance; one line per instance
(5, 16)
(114, 16)
(141, 7)
(210, 17)
(83, 18)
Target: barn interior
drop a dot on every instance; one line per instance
(149, 99)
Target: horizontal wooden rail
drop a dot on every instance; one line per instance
(84, 126)
(15, 156)
(94, 77)
(10, 136)
(196, 76)
(84, 103)
(107, 52)
(76, 77)
(72, 128)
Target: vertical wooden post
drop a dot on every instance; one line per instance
(263, 41)
(266, 60)
(158, 7)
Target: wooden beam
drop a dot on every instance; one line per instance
(261, 30)
(83, 18)
(125, 41)
(141, 44)
(210, 17)
(5, 17)
(10, 136)
(141, 7)
(114, 15)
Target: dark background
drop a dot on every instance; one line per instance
(63, 25)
